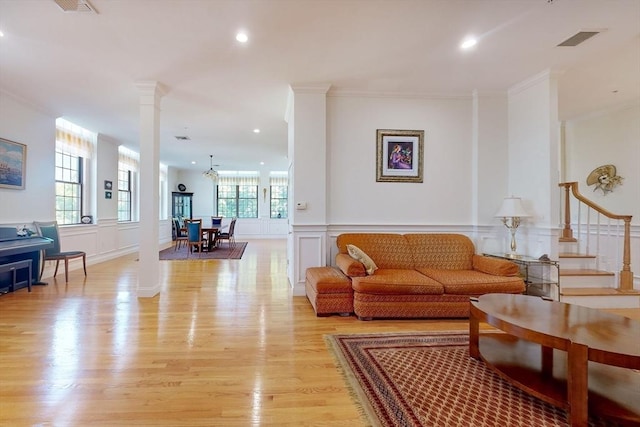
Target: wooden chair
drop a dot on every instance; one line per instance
(229, 236)
(194, 235)
(181, 234)
(50, 230)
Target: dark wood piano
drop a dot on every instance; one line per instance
(13, 249)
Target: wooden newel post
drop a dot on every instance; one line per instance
(626, 275)
(567, 232)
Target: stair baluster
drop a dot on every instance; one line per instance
(625, 276)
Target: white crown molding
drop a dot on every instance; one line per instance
(409, 95)
(604, 111)
(28, 103)
(310, 87)
(533, 80)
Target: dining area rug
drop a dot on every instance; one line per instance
(428, 379)
(223, 251)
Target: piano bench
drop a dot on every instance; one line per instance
(13, 267)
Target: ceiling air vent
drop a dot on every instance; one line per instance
(578, 38)
(75, 6)
(183, 138)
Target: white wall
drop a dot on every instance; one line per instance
(354, 196)
(608, 137)
(533, 161)
(25, 124)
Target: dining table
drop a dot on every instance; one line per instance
(212, 236)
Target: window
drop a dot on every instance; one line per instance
(74, 149)
(238, 201)
(127, 174)
(279, 194)
(68, 188)
(237, 194)
(124, 195)
(163, 206)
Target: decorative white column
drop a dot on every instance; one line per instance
(149, 264)
(307, 123)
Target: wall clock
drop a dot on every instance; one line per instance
(182, 187)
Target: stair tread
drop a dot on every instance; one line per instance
(574, 255)
(597, 291)
(584, 272)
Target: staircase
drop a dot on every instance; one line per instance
(582, 283)
(588, 275)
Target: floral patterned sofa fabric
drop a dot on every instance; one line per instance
(421, 275)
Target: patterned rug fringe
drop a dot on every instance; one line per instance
(420, 379)
(366, 412)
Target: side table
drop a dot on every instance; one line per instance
(541, 278)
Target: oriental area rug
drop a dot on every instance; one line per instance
(429, 379)
(221, 252)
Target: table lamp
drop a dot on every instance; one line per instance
(511, 211)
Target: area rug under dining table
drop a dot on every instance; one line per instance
(428, 379)
(223, 251)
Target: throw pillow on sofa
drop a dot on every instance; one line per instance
(357, 253)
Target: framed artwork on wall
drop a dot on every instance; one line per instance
(399, 155)
(13, 164)
(108, 185)
(107, 194)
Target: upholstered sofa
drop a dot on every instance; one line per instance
(420, 275)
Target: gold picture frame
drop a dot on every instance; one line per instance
(399, 155)
(13, 164)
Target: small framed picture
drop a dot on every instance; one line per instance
(108, 185)
(107, 194)
(13, 164)
(399, 155)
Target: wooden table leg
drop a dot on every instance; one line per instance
(474, 336)
(577, 385)
(547, 361)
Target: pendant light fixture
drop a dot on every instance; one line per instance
(211, 174)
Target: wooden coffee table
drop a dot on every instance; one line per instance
(573, 357)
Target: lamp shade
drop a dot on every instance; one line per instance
(512, 207)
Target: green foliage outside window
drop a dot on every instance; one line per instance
(68, 173)
(239, 201)
(279, 197)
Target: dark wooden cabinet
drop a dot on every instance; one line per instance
(181, 208)
(181, 205)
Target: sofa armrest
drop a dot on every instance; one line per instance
(495, 266)
(350, 266)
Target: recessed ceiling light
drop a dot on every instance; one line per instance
(468, 43)
(242, 37)
(262, 163)
(193, 162)
(256, 131)
(1, 34)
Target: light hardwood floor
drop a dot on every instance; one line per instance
(224, 344)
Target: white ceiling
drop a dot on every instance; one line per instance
(84, 66)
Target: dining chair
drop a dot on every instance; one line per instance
(181, 234)
(216, 221)
(194, 235)
(229, 236)
(49, 229)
